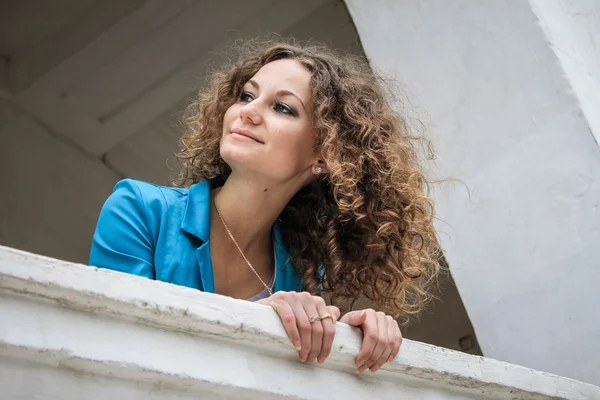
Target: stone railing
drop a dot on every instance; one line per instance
(72, 332)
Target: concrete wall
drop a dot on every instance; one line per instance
(572, 29)
(506, 119)
(134, 338)
(51, 192)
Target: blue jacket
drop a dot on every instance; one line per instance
(163, 233)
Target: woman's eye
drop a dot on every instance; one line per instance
(280, 107)
(246, 97)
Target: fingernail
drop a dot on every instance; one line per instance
(371, 371)
(357, 371)
(298, 347)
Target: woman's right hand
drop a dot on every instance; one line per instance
(305, 319)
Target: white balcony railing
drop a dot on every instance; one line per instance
(73, 332)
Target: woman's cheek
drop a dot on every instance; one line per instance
(228, 118)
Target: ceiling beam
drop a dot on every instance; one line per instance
(71, 118)
(108, 45)
(4, 84)
(166, 93)
(31, 62)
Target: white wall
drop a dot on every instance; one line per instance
(507, 120)
(134, 338)
(573, 32)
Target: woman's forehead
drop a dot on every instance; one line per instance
(284, 74)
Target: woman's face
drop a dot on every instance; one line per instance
(269, 130)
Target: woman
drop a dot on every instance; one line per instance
(304, 184)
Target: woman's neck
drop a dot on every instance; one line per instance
(249, 210)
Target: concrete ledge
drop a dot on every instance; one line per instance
(71, 331)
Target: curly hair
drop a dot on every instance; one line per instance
(364, 230)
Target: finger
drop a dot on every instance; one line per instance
(355, 318)
(397, 342)
(304, 328)
(390, 327)
(328, 331)
(334, 312)
(316, 337)
(382, 342)
(370, 339)
(286, 314)
(266, 301)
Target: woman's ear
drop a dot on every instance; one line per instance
(320, 168)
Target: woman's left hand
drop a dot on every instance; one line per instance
(381, 338)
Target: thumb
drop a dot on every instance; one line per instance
(355, 318)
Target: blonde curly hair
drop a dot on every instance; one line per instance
(362, 231)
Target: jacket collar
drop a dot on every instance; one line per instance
(196, 220)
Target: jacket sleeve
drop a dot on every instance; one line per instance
(123, 240)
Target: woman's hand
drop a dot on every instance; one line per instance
(381, 338)
(308, 321)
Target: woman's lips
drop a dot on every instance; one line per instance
(244, 134)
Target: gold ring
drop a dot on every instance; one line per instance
(326, 316)
(319, 318)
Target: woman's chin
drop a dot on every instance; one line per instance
(240, 158)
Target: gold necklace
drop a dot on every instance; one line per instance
(270, 290)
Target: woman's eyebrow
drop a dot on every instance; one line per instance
(254, 83)
(282, 92)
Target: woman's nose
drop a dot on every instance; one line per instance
(250, 113)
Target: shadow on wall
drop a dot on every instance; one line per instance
(445, 322)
